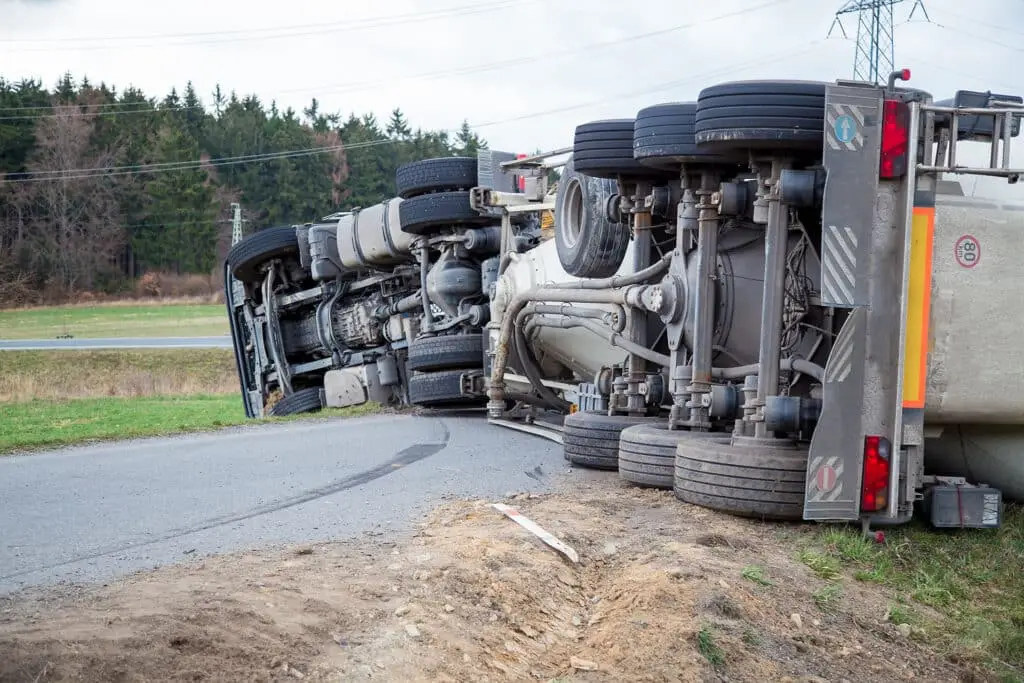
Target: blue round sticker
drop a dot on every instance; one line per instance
(845, 128)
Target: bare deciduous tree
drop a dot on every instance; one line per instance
(71, 224)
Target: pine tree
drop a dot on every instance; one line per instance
(169, 216)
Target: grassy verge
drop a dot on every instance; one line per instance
(58, 398)
(38, 424)
(31, 375)
(115, 320)
(960, 591)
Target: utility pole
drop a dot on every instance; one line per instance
(874, 57)
(236, 223)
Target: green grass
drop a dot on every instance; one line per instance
(38, 424)
(756, 574)
(709, 649)
(115, 320)
(963, 588)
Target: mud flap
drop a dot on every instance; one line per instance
(833, 465)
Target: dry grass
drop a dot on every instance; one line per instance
(47, 375)
(89, 302)
(153, 286)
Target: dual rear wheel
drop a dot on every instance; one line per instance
(701, 468)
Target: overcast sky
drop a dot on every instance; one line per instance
(437, 63)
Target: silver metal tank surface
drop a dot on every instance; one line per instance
(373, 237)
(975, 388)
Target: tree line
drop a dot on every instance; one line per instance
(98, 187)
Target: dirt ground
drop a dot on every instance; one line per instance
(663, 592)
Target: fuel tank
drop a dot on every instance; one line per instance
(373, 237)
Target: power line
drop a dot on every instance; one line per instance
(272, 33)
(471, 69)
(78, 174)
(1015, 48)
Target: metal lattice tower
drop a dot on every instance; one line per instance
(874, 58)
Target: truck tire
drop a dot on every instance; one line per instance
(604, 149)
(246, 257)
(766, 483)
(441, 389)
(647, 452)
(589, 245)
(591, 439)
(436, 175)
(428, 212)
(447, 352)
(663, 136)
(761, 114)
(308, 400)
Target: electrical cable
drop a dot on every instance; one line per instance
(77, 174)
(295, 30)
(458, 71)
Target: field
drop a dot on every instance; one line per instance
(115, 373)
(663, 592)
(115, 319)
(55, 398)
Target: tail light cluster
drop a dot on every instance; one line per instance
(874, 492)
(895, 139)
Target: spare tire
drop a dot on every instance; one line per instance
(447, 352)
(307, 400)
(246, 257)
(663, 136)
(761, 115)
(589, 245)
(762, 481)
(428, 212)
(435, 175)
(604, 149)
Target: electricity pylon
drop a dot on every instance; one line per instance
(874, 57)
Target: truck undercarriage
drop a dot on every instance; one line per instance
(739, 300)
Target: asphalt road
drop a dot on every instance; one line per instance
(93, 513)
(117, 343)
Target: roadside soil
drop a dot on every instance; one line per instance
(663, 592)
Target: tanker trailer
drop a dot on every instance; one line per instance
(874, 283)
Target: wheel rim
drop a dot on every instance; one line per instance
(571, 216)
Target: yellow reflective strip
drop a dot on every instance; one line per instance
(919, 294)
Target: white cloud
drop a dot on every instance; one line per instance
(785, 40)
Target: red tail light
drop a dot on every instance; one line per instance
(874, 492)
(522, 179)
(895, 139)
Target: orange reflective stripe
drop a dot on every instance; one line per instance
(919, 294)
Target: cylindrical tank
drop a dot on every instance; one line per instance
(576, 348)
(975, 402)
(373, 237)
(975, 352)
(741, 269)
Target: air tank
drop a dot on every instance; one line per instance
(373, 237)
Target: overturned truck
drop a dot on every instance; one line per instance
(768, 300)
